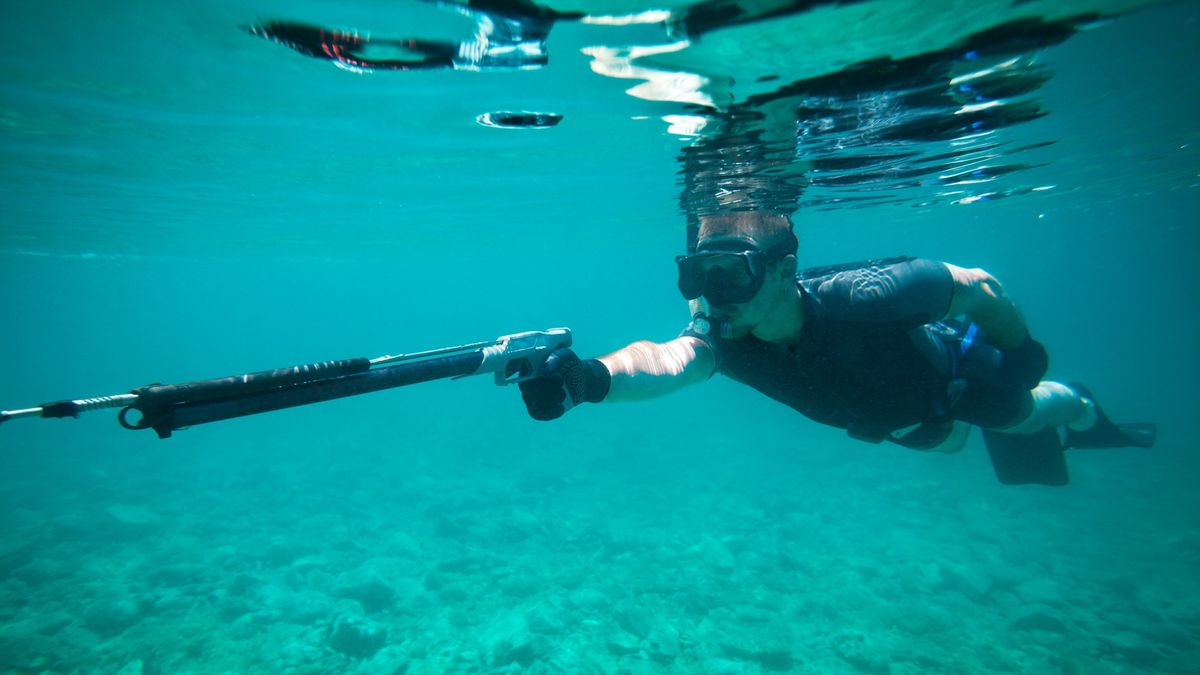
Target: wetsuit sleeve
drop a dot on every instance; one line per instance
(912, 292)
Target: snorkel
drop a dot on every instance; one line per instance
(703, 321)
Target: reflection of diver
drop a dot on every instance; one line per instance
(868, 131)
(856, 130)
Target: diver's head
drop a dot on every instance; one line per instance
(742, 262)
(762, 228)
(743, 267)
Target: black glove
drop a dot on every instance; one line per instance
(564, 374)
(1026, 363)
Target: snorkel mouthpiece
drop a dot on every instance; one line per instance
(704, 324)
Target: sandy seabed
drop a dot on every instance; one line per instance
(629, 559)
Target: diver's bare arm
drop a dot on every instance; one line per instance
(978, 295)
(648, 369)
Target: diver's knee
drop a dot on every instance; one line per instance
(1051, 405)
(975, 280)
(955, 440)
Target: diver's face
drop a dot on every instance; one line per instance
(744, 317)
(723, 272)
(736, 277)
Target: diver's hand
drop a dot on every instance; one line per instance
(1026, 363)
(563, 382)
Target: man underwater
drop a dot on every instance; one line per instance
(906, 350)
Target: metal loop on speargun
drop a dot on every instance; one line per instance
(138, 426)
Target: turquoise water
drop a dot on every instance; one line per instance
(182, 200)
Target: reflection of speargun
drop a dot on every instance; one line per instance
(166, 408)
(511, 35)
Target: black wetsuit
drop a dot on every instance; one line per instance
(869, 359)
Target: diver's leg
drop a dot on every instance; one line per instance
(1085, 424)
(1054, 405)
(955, 441)
(1026, 451)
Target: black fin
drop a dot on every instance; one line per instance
(1105, 434)
(1021, 459)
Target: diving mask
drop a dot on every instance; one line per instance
(727, 272)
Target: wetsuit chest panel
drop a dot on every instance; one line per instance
(856, 366)
(850, 375)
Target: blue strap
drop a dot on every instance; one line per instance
(957, 355)
(968, 339)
